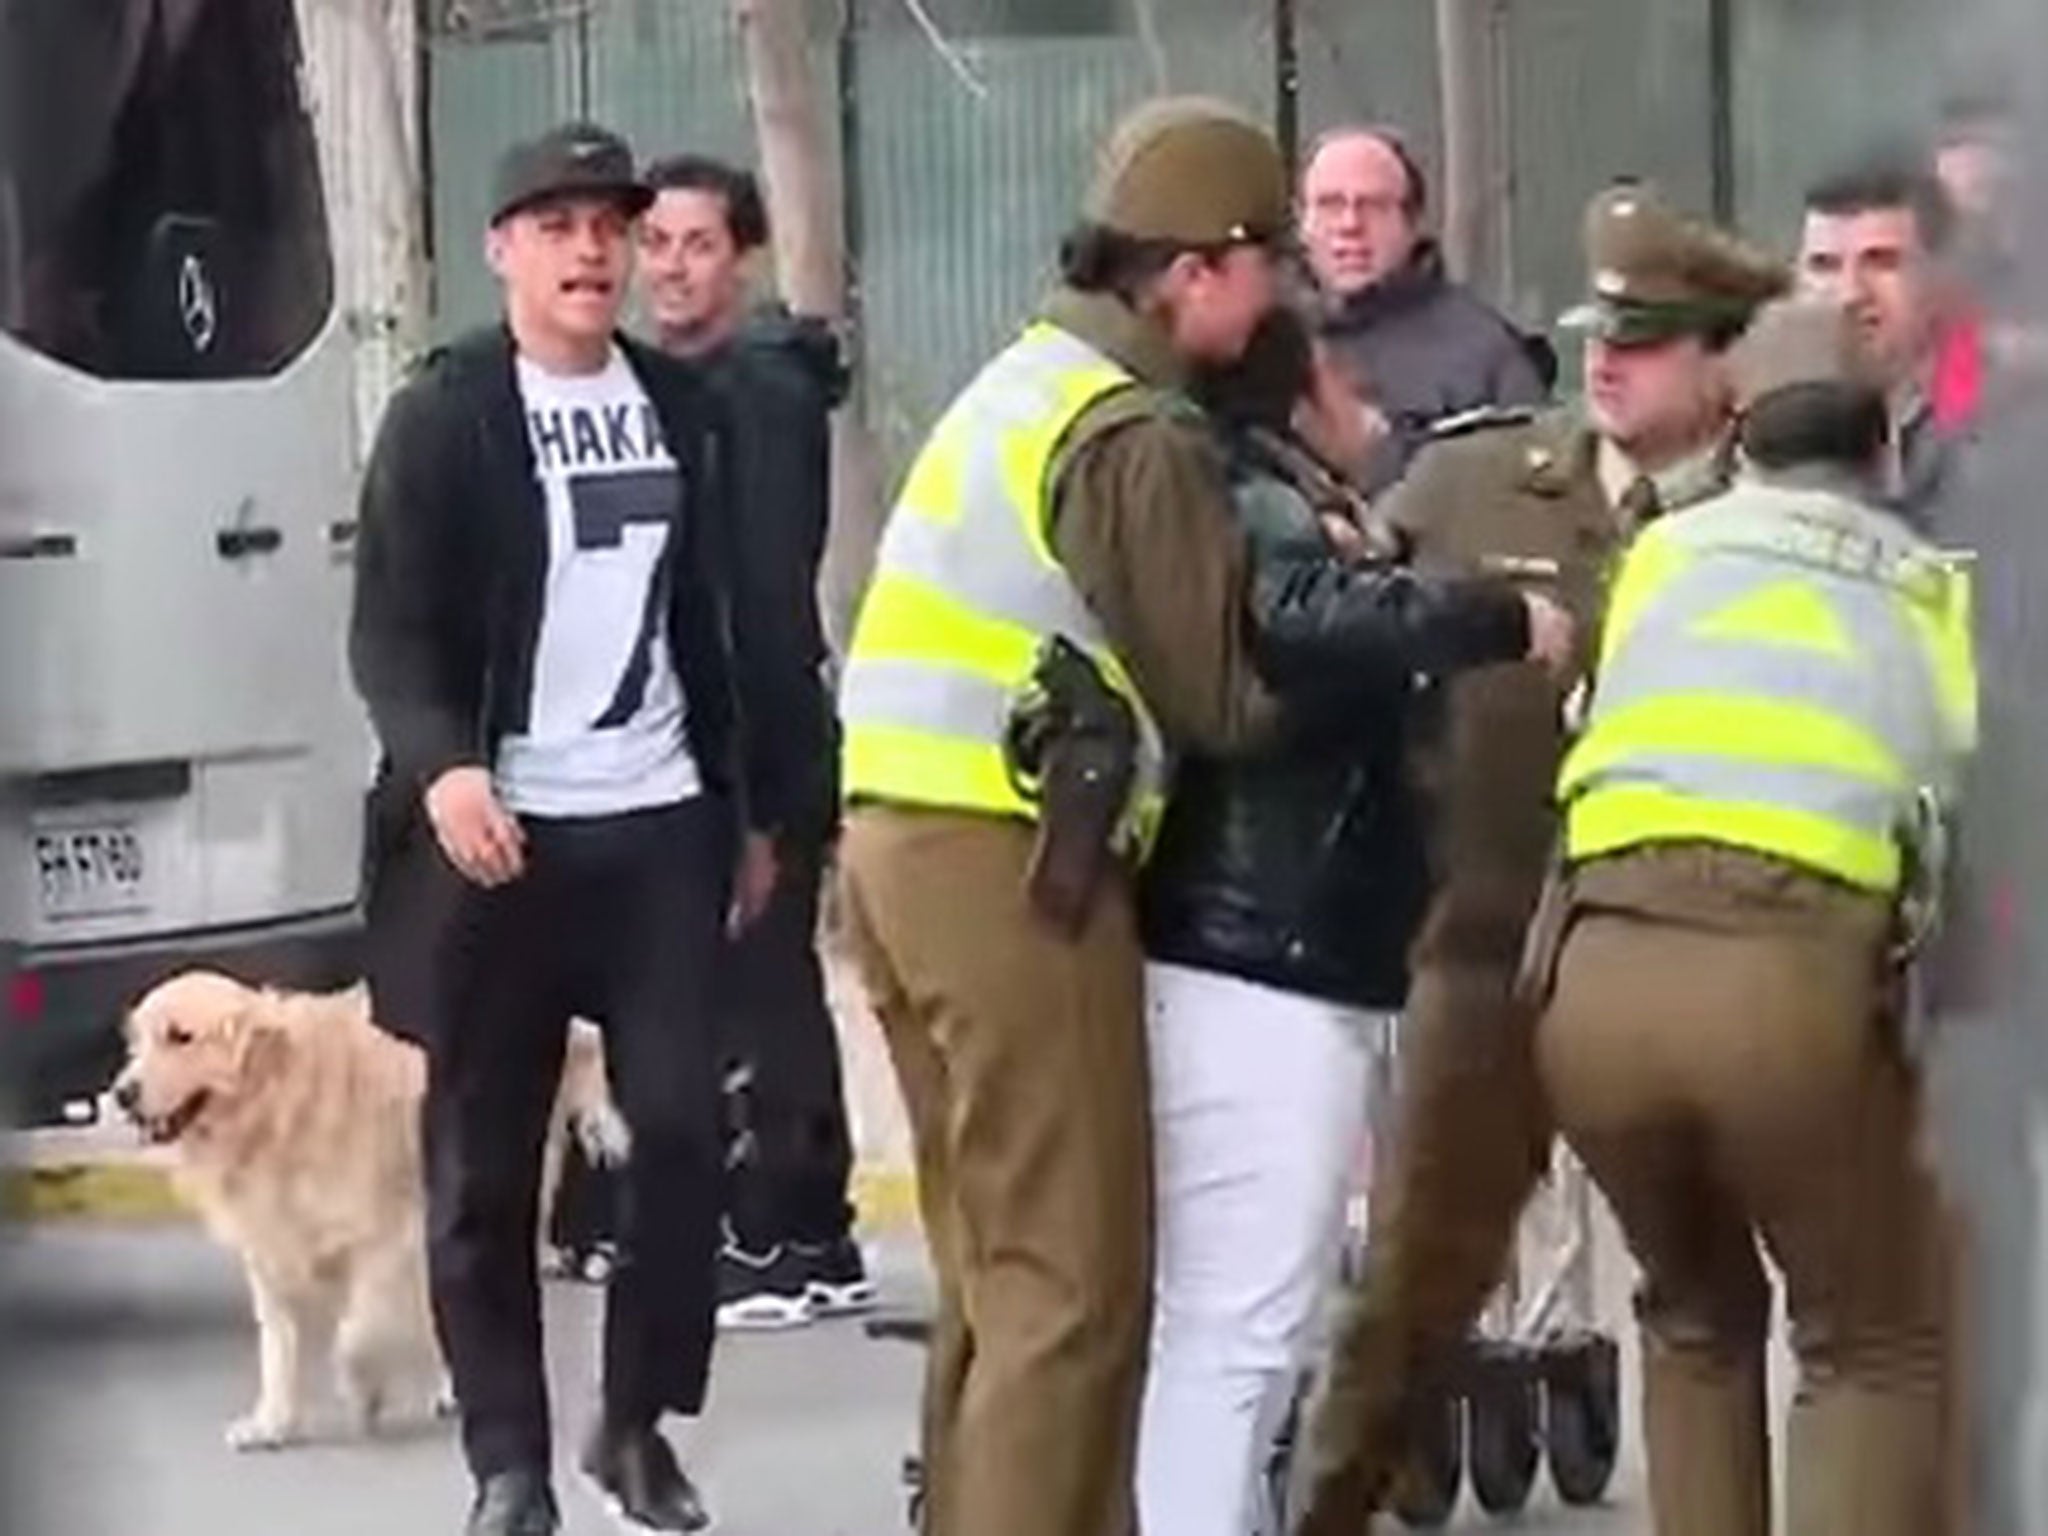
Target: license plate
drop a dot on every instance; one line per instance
(91, 871)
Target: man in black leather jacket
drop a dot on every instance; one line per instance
(1277, 909)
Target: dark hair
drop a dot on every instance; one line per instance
(746, 216)
(1415, 196)
(1884, 182)
(1825, 423)
(1097, 259)
(1263, 384)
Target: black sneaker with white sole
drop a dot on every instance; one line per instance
(835, 1277)
(762, 1291)
(641, 1485)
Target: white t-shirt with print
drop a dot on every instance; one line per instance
(604, 731)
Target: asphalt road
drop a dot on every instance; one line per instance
(128, 1351)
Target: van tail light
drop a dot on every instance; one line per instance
(26, 998)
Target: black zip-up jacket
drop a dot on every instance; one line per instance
(1304, 868)
(1423, 348)
(451, 566)
(782, 375)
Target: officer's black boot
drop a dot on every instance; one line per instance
(515, 1503)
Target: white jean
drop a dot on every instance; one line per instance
(1259, 1116)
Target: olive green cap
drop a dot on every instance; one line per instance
(1191, 170)
(1796, 342)
(1656, 272)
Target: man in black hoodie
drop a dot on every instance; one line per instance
(789, 1254)
(551, 641)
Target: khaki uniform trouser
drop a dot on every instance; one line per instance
(1021, 1059)
(1716, 1052)
(1471, 1143)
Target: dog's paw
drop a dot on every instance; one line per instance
(261, 1432)
(366, 1413)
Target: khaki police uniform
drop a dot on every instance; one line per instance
(1786, 670)
(1067, 491)
(1538, 498)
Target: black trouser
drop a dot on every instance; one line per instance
(790, 1182)
(617, 919)
(585, 1217)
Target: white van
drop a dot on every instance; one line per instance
(181, 755)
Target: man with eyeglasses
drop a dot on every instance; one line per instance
(1416, 347)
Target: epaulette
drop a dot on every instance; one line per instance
(1481, 418)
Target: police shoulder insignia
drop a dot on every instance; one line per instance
(1480, 418)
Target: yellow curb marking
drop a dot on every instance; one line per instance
(885, 1197)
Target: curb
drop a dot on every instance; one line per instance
(131, 1190)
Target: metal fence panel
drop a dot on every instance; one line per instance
(1371, 64)
(1818, 80)
(970, 168)
(486, 92)
(672, 77)
(1596, 90)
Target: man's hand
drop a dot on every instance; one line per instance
(753, 885)
(480, 837)
(1346, 539)
(1336, 421)
(1553, 636)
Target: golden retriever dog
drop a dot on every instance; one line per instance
(290, 1122)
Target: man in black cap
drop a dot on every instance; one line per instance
(550, 651)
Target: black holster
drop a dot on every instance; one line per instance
(1071, 747)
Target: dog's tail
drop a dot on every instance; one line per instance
(593, 1115)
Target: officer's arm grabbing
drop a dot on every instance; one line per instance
(1141, 519)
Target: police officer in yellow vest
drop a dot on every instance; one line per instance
(1752, 814)
(1668, 294)
(1069, 491)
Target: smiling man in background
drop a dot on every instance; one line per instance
(789, 1253)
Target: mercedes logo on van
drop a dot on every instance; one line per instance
(198, 308)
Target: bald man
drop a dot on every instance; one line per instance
(1416, 346)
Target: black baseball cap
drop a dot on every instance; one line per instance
(573, 160)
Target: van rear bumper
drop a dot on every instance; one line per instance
(60, 1022)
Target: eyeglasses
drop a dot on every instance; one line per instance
(1366, 205)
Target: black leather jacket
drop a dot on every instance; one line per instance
(1304, 868)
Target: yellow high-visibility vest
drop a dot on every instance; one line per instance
(966, 589)
(1784, 670)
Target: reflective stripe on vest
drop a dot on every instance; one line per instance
(966, 589)
(1784, 671)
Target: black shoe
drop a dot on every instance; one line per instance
(835, 1277)
(637, 1479)
(516, 1503)
(763, 1291)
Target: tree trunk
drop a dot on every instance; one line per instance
(803, 188)
(359, 62)
(1466, 74)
